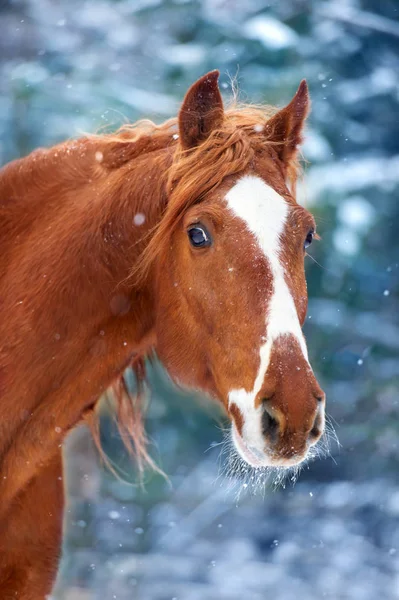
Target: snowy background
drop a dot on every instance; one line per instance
(73, 66)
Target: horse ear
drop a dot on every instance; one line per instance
(285, 127)
(201, 111)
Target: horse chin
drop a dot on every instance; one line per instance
(258, 459)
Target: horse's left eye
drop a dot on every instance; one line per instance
(199, 236)
(309, 239)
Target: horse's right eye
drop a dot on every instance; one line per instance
(199, 236)
(309, 239)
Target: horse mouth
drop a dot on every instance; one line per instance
(259, 459)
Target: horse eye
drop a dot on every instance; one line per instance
(199, 236)
(309, 239)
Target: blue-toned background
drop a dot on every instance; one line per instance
(72, 66)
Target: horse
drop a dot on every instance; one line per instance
(183, 239)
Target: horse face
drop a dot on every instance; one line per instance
(232, 300)
(277, 419)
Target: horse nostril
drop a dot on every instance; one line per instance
(315, 433)
(316, 430)
(319, 396)
(270, 425)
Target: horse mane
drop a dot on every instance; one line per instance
(192, 174)
(127, 404)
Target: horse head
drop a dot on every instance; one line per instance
(231, 289)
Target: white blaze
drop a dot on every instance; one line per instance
(265, 213)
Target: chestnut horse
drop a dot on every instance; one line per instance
(183, 239)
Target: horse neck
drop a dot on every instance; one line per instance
(114, 203)
(80, 231)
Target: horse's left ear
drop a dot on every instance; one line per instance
(285, 127)
(201, 111)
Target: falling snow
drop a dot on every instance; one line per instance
(139, 219)
(218, 528)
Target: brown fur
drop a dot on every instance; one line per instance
(84, 293)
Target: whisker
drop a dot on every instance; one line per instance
(213, 445)
(330, 429)
(324, 220)
(317, 263)
(331, 419)
(240, 477)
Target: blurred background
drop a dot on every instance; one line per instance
(73, 66)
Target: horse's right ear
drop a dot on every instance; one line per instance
(201, 111)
